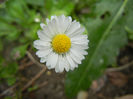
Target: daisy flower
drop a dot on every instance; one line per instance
(62, 44)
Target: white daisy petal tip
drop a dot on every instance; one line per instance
(42, 25)
(62, 44)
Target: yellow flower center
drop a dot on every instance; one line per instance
(61, 43)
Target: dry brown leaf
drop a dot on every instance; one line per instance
(97, 85)
(117, 78)
(125, 97)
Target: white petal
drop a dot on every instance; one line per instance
(84, 52)
(50, 28)
(70, 18)
(42, 25)
(53, 17)
(77, 53)
(54, 26)
(80, 40)
(61, 64)
(43, 53)
(49, 67)
(57, 67)
(72, 27)
(76, 59)
(47, 32)
(52, 60)
(43, 59)
(47, 20)
(57, 70)
(71, 62)
(62, 23)
(42, 47)
(79, 31)
(66, 66)
(43, 36)
(80, 49)
(65, 23)
(68, 22)
(80, 46)
(85, 42)
(39, 44)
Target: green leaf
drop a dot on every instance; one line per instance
(130, 33)
(32, 88)
(58, 7)
(8, 97)
(1, 45)
(7, 30)
(11, 36)
(11, 80)
(19, 51)
(36, 2)
(106, 37)
(66, 9)
(18, 11)
(12, 68)
(106, 6)
(8, 70)
(129, 24)
(31, 34)
(14, 9)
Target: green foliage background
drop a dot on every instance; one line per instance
(109, 25)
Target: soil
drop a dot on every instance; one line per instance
(55, 87)
(109, 86)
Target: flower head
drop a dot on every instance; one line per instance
(61, 43)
